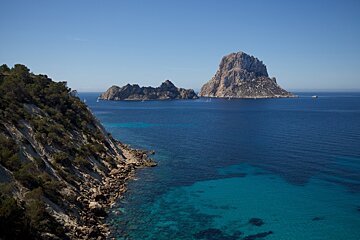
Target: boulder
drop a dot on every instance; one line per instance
(94, 205)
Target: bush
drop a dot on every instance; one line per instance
(39, 219)
(9, 155)
(13, 223)
(82, 162)
(40, 163)
(50, 187)
(62, 158)
(27, 175)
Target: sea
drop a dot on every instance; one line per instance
(246, 169)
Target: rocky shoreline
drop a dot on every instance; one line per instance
(60, 169)
(98, 198)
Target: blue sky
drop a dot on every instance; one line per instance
(95, 44)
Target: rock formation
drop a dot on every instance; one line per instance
(242, 76)
(60, 170)
(166, 91)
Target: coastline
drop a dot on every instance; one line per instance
(98, 197)
(252, 97)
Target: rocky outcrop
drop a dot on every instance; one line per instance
(242, 76)
(166, 91)
(60, 170)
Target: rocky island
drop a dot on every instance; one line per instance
(242, 76)
(59, 169)
(166, 91)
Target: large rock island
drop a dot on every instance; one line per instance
(166, 91)
(242, 76)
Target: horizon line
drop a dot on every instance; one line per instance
(290, 90)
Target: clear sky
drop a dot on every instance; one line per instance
(95, 44)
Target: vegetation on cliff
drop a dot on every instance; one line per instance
(54, 160)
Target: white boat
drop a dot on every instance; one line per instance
(98, 99)
(314, 96)
(84, 100)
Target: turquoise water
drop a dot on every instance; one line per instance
(290, 165)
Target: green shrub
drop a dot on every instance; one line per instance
(82, 162)
(40, 163)
(27, 175)
(13, 223)
(9, 153)
(62, 158)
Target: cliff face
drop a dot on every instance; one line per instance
(242, 76)
(166, 91)
(59, 169)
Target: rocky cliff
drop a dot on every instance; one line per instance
(166, 91)
(242, 76)
(59, 169)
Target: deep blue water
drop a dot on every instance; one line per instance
(293, 163)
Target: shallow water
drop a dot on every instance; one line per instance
(292, 163)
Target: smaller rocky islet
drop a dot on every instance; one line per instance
(166, 91)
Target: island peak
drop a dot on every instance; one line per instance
(242, 76)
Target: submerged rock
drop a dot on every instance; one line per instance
(216, 234)
(166, 91)
(256, 222)
(318, 218)
(258, 235)
(242, 76)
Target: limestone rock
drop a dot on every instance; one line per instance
(94, 205)
(167, 90)
(242, 76)
(80, 185)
